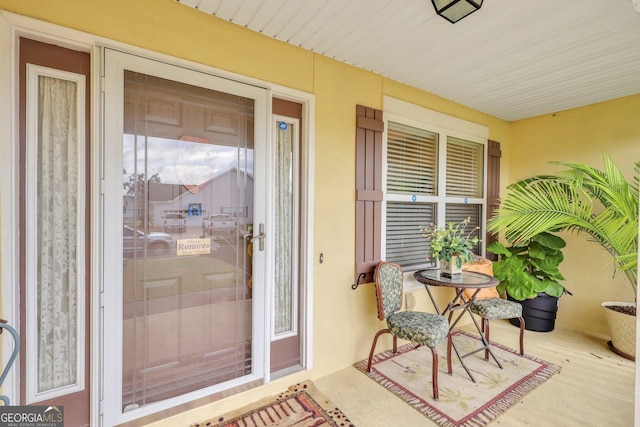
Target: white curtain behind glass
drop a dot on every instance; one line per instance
(57, 212)
(283, 292)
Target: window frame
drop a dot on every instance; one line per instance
(444, 126)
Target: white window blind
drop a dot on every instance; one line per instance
(412, 156)
(458, 212)
(405, 244)
(465, 169)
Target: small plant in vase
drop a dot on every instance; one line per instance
(452, 245)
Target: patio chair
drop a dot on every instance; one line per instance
(421, 328)
(489, 306)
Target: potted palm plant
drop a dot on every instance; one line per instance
(581, 199)
(529, 274)
(452, 245)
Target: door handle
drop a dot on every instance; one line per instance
(260, 236)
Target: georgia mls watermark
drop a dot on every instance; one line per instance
(31, 416)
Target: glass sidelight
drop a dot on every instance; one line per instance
(55, 200)
(286, 221)
(286, 344)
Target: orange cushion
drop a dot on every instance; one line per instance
(485, 266)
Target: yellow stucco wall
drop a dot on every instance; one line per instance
(345, 320)
(582, 135)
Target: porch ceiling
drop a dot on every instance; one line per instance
(512, 59)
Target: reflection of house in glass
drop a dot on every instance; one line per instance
(226, 193)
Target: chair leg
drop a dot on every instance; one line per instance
(373, 346)
(521, 336)
(434, 373)
(485, 330)
(449, 345)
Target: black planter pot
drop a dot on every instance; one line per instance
(539, 313)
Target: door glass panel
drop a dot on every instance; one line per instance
(187, 192)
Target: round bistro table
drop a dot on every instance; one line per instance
(466, 280)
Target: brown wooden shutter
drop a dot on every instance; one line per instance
(493, 190)
(369, 128)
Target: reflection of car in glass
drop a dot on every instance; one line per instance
(220, 223)
(136, 240)
(174, 221)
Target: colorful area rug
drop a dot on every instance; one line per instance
(462, 402)
(302, 405)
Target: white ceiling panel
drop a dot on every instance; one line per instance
(512, 59)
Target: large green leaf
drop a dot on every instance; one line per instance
(521, 286)
(498, 249)
(547, 268)
(549, 240)
(550, 287)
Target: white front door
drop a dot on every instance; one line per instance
(185, 312)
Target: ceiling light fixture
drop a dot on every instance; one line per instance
(455, 10)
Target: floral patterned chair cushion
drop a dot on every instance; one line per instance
(422, 328)
(496, 308)
(388, 289)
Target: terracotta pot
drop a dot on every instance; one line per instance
(622, 329)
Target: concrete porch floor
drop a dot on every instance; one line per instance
(595, 387)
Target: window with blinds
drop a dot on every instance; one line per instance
(414, 175)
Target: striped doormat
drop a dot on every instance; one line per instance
(302, 405)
